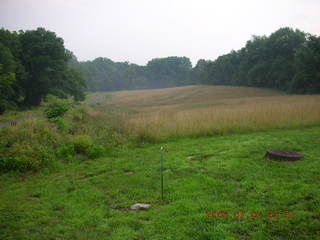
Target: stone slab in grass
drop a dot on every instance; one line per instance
(140, 206)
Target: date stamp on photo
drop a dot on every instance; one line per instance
(241, 214)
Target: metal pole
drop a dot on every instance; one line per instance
(161, 174)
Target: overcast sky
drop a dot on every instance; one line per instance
(139, 30)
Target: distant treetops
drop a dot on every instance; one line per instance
(35, 63)
(287, 60)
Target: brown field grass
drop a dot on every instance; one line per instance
(156, 115)
(185, 97)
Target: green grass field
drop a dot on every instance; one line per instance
(217, 186)
(89, 200)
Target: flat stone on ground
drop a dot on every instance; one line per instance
(140, 206)
(129, 172)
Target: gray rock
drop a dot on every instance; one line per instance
(140, 206)
(129, 172)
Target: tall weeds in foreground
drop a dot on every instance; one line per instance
(28, 146)
(105, 129)
(34, 144)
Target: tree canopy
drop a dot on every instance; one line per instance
(7, 78)
(287, 60)
(33, 64)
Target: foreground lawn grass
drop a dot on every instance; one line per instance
(89, 199)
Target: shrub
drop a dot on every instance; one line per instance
(56, 107)
(82, 143)
(95, 151)
(63, 125)
(66, 152)
(23, 157)
(28, 146)
(15, 163)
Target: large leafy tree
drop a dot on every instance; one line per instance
(281, 48)
(307, 65)
(33, 64)
(7, 79)
(11, 41)
(45, 60)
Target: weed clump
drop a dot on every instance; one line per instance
(28, 146)
(83, 144)
(95, 151)
(62, 124)
(35, 144)
(66, 152)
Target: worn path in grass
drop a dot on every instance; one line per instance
(89, 199)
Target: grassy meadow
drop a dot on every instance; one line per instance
(90, 199)
(192, 111)
(217, 183)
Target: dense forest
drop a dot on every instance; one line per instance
(35, 63)
(102, 74)
(288, 60)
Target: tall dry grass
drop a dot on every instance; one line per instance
(208, 110)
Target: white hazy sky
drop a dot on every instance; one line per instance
(139, 30)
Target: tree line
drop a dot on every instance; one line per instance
(102, 74)
(287, 60)
(35, 63)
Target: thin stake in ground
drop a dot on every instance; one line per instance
(161, 171)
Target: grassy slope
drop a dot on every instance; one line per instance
(188, 97)
(88, 200)
(162, 114)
